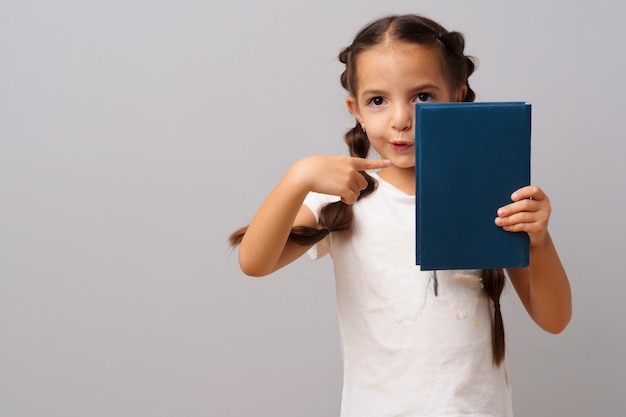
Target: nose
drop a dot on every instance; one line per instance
(402, 117)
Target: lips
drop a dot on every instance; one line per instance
(401, 146)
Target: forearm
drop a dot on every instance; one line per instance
(265, 246)
(544, 287)
(266, 237)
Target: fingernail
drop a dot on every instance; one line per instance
(501, 211)
(514, 196)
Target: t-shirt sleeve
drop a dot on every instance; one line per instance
(315, 202)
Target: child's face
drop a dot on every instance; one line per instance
(390, 80)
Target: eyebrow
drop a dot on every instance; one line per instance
(370, 92)
(375, 92)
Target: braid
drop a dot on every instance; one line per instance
(357, 141)
(493, 282)
(336, 216)
(459, 68)
(471, 95)
(458, 65)
(344, 57)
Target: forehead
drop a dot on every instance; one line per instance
(399, 64)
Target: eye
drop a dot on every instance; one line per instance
(377, 101)
(423, 97)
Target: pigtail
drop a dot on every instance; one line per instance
(343, 57)
(235, 238)
(493, 282)
(459, 66)
(470, 65)
(336, 216)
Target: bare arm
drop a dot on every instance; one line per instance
(543, 287)
(265, 247)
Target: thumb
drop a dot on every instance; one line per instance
(363, 164)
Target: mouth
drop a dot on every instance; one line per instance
(401, 146)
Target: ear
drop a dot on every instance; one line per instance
(353, 107)
(461, 93)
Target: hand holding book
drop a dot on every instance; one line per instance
(529, 212)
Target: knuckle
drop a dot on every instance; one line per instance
(548, 208)
(350, 198)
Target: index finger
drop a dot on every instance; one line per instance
(362, 164)
(529, 192)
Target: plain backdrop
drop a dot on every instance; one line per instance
(136, 135)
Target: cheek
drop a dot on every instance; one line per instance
(380, 145)
(374, 134)
(374, 122)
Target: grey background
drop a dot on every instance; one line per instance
(136, 135)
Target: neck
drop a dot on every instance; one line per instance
(401, 178)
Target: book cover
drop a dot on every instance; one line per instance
(470, 157)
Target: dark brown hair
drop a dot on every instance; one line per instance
(457, 68)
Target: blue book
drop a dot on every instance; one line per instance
(470, 157)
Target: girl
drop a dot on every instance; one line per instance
(408, 350)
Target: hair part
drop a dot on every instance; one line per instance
(412, 29)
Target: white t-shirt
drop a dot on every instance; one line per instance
(407, 352)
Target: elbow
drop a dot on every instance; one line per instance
(252, 269)
(558, 325)
(555, 329)
(253, 273)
